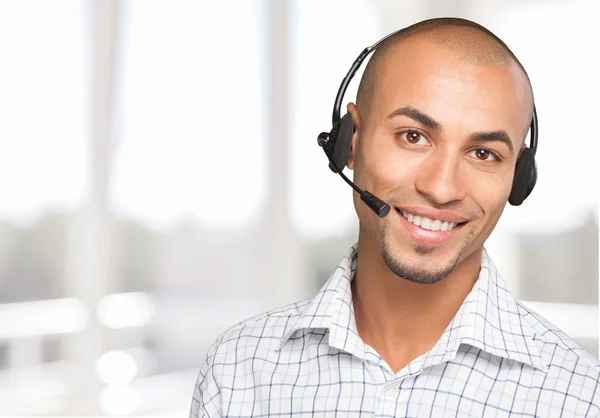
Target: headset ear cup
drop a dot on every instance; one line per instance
(343, 142)
(525, 177)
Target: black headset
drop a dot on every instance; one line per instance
(338, 142)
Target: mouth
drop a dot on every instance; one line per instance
(429, 231)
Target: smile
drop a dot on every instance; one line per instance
(428, 231)
(429, 224)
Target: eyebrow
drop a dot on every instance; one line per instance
(493, 136)
(423, 118)
(417, 115)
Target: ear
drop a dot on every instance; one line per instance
(351, 109)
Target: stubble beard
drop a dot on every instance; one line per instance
(415, 275)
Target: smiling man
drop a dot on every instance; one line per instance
(416, 320)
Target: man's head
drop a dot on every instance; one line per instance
(442, 112)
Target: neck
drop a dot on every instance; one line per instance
(401, 319)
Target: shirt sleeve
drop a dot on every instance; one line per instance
(206, 399)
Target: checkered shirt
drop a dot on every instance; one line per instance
(496, 358)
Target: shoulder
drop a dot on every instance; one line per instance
(571, 369)
(262, 331)
(233, 352)
(557, 346)
(253, 337)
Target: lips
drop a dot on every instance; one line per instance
(430, 230)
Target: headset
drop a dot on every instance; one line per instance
(337, 144)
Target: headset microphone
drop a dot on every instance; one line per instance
(376, 204)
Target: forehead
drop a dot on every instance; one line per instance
(453, 91)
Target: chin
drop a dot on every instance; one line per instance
(418, 263)
(418, 272)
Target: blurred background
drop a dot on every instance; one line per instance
(161, 181)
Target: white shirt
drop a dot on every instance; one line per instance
(495, 359)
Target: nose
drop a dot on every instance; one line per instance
(439, 178)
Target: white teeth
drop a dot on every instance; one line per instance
(426, 223)
(429, 224)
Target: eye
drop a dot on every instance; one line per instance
(413, 137)
(483, 154)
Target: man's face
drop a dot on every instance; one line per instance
(439, 144)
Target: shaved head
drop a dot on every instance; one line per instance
(470, 42)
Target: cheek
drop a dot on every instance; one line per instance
(368, 220)
(490, 192)
(383, 166)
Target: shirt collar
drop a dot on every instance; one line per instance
(332, 309)
(489, 319)
(492, 320)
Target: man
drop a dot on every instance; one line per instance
(416, 320)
